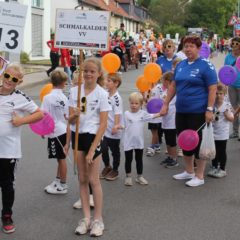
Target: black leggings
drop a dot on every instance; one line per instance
(7, 167)
(54, 57)
(138, 159)
(114, 145)
(221, 154)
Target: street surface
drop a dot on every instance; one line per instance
(164, 210)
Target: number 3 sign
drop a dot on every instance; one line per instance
(12, 21)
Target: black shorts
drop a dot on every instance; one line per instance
(84, 143)
(55, 149)
(154, 125)
(170, 137)
(190, 121)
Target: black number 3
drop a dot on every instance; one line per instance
(13, 38)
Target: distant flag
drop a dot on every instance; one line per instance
(232, 20)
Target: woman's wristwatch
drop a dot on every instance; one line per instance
(209, 109)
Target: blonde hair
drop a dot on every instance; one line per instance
(136, 96)
(222, 88)
(97, 62)
(115, 78)
(18, 68)
(58, 77)
(167, 76)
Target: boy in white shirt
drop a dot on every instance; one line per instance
(56, 103)
(221, 124)
(14, 104)
(112, 135)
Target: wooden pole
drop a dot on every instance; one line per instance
(78, 105)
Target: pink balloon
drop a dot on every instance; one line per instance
(238, 64)
(188, 139)
(43, 127)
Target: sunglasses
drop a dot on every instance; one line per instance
(217, 116)
(84, 104)
(7, 76)
(235, 44)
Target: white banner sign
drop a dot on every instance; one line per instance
(82, 29)
(12, 21)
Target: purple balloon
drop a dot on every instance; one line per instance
(227, 75)
(43, 127)
(154, 105)
(205, 50)
(188, 139)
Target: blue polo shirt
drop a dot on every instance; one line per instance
(165, 63)
(192, 82)
(231, 60)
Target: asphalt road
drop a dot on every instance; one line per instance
(164, 210)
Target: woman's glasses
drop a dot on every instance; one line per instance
(83, 104)
(7, 76)
(168, 46)
(217, 116)
(235, 44)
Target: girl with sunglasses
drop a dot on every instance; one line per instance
(93, 111)
(234, 88)
(14, 105)
(223, 116)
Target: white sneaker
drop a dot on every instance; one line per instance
(59, 189)
(83, 226)
(183, 175)
(220, 173)
(157, 149)
(150, 152)
(128, 181)
(55, 183)
(195, 182)
(212, 172)
(78, 204)
(97, 228)
(141, 180)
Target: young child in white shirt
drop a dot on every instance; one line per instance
(14, 105)
(134, 137)
(221, 125)
(56, 103)
(169, 126)
(112, 135)
(94, 108)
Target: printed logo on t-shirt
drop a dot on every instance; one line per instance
(11, 103)
(209, 63)
(194, 72)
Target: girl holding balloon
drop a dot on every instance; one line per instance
(13, 104)
(94, 108)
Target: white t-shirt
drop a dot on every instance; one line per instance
(56, 103)
(134, 126)
(117, 108)
(10, 136)
(221, 127)
(157, 92)
(97, 101)
(168, 121)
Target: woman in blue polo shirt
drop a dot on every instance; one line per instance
(194, 85)
(234, 89)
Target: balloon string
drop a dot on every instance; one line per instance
(69, 159)
(202, 126)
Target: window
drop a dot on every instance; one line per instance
(37, 3)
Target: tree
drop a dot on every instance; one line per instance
(144, 3)
(211, 14)
(167, 12)
(173, 29)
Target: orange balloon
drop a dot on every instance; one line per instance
(142, 84)
(45, 90)
(152, 72)
(111, 62)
